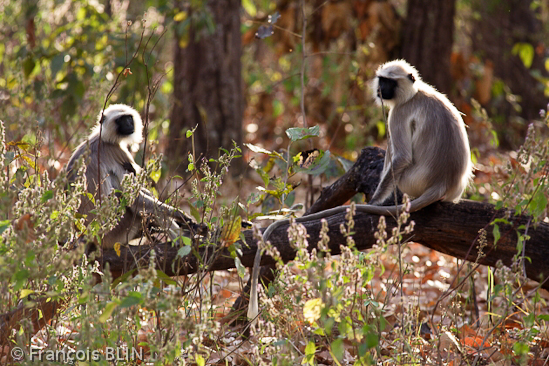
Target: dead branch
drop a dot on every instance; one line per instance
(448, 228)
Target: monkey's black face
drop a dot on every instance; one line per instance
(386, 88)
(124, 125)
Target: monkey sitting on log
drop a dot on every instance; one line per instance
(107, 160)
(428, 155)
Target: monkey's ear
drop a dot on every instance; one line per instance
(411, 77)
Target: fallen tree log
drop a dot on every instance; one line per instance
(448, 228)
(451, 229)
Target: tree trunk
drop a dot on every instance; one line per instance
(427, 38)
(207, 84)
(498, 28)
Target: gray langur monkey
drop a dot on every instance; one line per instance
(121, 126)
(427, 156)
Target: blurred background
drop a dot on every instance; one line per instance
(235, 68)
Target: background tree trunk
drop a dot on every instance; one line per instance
(207, 85)
(427, 38)
(498, 28)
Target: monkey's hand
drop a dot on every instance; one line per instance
(188, 224)
(383, 190)
(182, 218)
(176, 232)
(377, 198)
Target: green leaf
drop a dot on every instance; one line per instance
(181, 16)
(56, 64)
(30, 258)
(185, 239)
(240, 269)
(318, 166)
(253, 198)
(164, 277)
(9, 156)
(81, 14)
(264, 176)
(123, 278)
(29, 161)
(526, 53)
(496, 233)
(46, 196)
(290, 198)
(278, 108)
(132, 299)
(4, 225)
(494, 141)
(183, 251)
(200, 360)
(298, 133)
(28, 66)
(381, 129)
(337, 348)
(78, 89)
(529, 320)
(84, 297)
(20, 277)
(250, 8)
(372, 340)
(155, 175)
(310, 350)
(109, 308)
(194, 212)
(538, 203)
(520, 243)
(520, 348)
(25, 292)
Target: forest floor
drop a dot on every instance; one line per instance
(429, 297)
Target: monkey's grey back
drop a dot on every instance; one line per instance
(446, 154)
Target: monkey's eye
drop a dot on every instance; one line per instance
(411, 77)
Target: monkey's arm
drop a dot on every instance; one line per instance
(150, 201)
(400, 139)
(161, 212)
(145, 202)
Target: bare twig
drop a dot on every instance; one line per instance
(151, 90)
(108, 97)
(303, 58)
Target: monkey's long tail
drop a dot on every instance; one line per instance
(253, 307)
